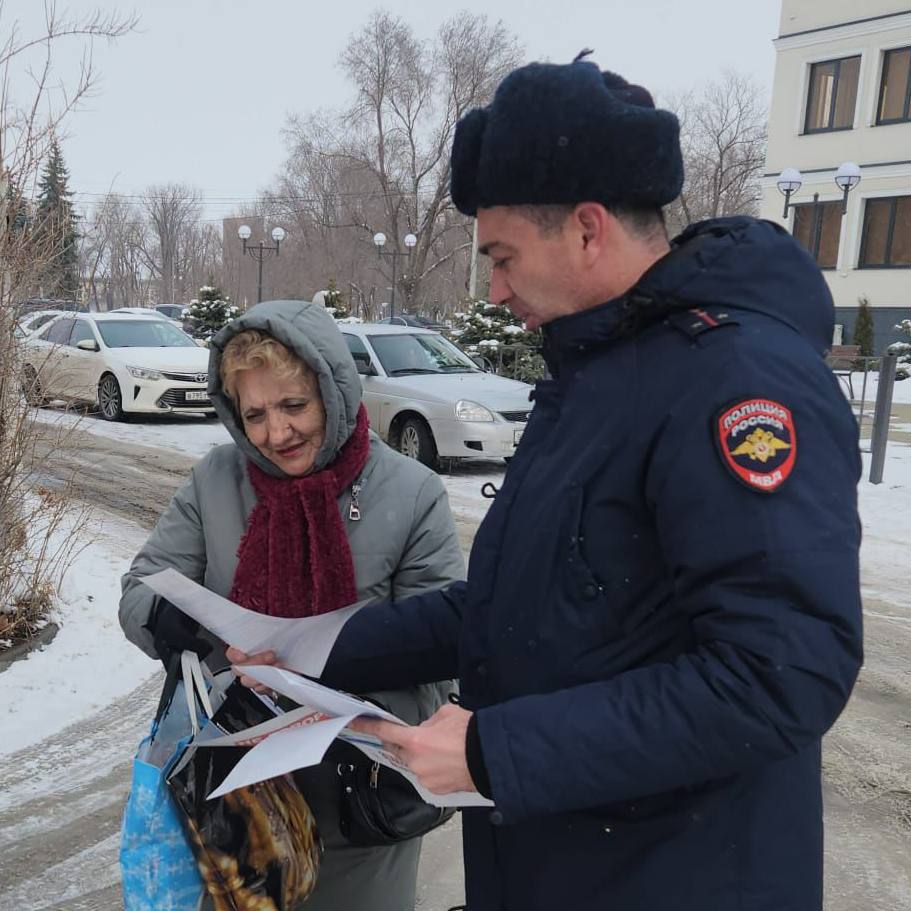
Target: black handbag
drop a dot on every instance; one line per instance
(377, 805)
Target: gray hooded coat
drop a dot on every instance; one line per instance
(404, 543)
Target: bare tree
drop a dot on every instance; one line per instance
(173, 213)
(28, 124)
(723, 135)
(127, 247)
(113, 254)
(201, 259)
(32, 556)
(92, 251)
(382, 164)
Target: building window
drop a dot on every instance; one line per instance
(895, 89)
(818, 227)
(833, 95)
(886, 239)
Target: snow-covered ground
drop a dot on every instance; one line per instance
(901, 393)
(89, 663)
(885, 511)
(192, 435)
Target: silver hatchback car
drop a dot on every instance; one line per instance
(430, 400)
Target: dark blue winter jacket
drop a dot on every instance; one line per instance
(662, 614)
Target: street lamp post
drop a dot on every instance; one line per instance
(789, 181)
(847, 177)
(379, 240)
(258, 251)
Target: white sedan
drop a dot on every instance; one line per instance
(33, 321)
(148, 311)
(123, 364)
(428, 399)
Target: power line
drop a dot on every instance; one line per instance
(268, 197)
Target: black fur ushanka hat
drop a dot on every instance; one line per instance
(564, 134)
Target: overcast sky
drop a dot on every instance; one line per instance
(200, 92)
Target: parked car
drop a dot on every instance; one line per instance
(34, 304)
(35, 320)
(123, 364)
(148, 311)
(428, 399)
(175, 312)
(416, 322)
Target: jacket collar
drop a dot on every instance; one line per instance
(661, 290)
(612, 320)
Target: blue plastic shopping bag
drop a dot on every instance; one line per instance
(159, 871)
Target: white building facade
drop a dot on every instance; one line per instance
(842, 93)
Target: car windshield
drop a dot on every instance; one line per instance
(403, 354)
(134, 333)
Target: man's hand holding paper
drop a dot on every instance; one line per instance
(434, 751)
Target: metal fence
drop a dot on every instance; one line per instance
(873, 409)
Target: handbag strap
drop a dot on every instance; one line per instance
(194, 687)
(167, 693)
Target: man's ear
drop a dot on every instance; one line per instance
(595, 225)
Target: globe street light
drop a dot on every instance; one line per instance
(379, 241)
(789, 181)
(847, 177)
(258, 251)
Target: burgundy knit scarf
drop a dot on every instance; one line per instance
(294, 559)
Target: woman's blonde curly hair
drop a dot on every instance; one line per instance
(251, 349)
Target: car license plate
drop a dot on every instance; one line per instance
(196, 396)
(516, 436)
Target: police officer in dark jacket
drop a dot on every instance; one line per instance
(662, 614)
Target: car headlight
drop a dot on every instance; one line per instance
(472, 411)
(141, 373)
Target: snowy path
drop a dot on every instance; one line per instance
(61, 806)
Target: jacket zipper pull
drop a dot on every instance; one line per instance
(374, 775)
(354, 510)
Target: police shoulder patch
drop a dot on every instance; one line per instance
(757, 441)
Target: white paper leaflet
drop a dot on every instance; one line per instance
(298, 739)
(300, 643)
(297, 742)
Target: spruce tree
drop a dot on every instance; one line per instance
(210, 311)
(903, 350)
(334, 301)
(55, 233)
(863, 329)
(492, 331)
(18, 212)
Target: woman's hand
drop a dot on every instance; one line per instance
(239, 658)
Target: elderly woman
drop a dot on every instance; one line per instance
(305, 512)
